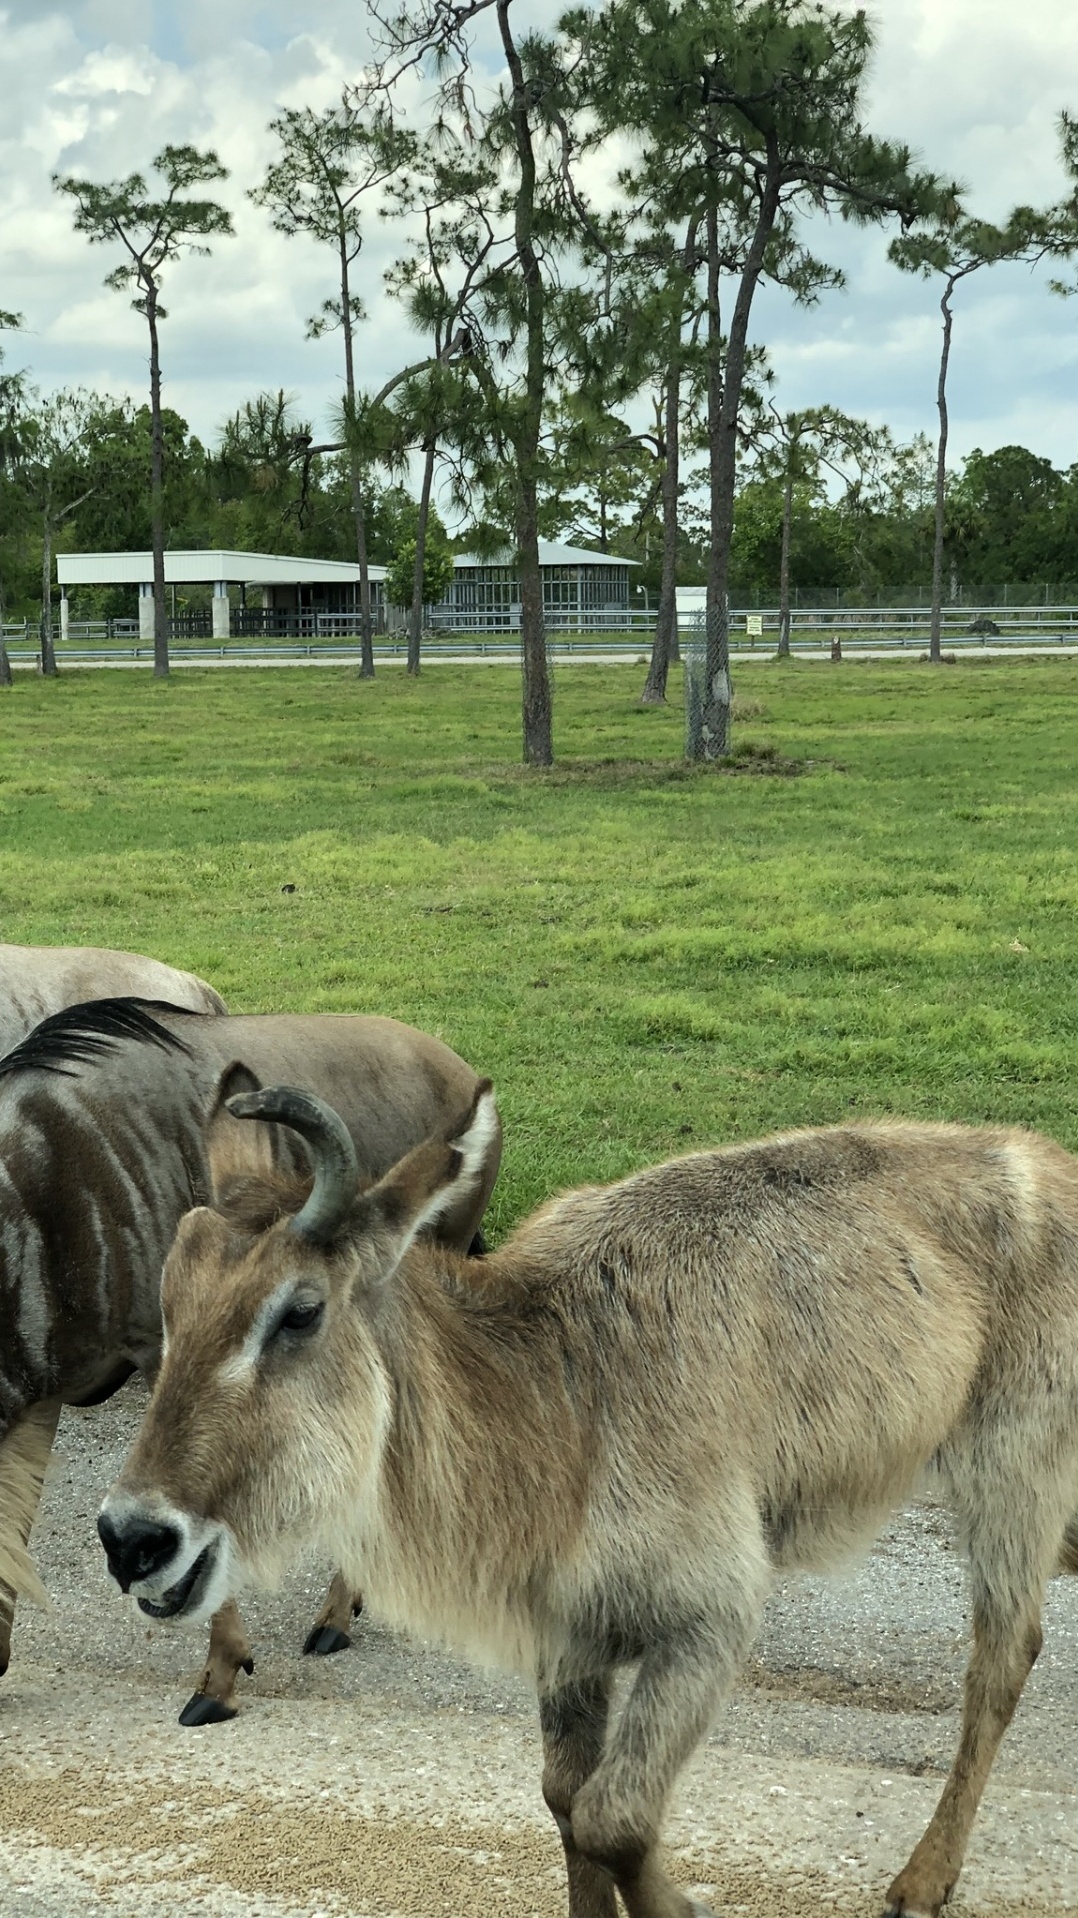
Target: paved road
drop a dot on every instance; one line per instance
(395, 1782)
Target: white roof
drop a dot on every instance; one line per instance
(200, 568)
(551, 553)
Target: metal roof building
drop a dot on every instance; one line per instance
(581, 591)
(295, 596)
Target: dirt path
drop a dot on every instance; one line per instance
(395, 1782)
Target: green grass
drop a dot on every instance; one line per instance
(646, 956)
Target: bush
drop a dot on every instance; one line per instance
(437, 572)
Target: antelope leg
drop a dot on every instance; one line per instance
(617, 1814)
(229, 1654)
(573, 1721)
(1016, 1533)
(329, 1633)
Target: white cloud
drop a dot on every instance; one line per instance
(95, 87)
(110, 71)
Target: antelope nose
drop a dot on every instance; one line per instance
(136, 1547)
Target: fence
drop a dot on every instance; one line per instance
(25, 632)
(333, 636)
(557, 619)
(1011, 593)
(900, 626)
(247, 622)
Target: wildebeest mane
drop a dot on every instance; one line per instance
(83, 1033)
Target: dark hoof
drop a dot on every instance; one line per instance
(201, 1710)
(324, 1640)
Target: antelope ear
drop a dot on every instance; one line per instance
(237, 1149)
(421, 1187)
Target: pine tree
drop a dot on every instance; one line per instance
(152, 232)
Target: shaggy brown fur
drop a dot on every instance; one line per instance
(668, 1390)
(112, 1124)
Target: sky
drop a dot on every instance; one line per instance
(96, 87)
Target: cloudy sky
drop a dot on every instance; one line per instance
(96, 87)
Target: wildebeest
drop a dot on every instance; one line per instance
(666, 1391)
(38, 980)
(110, 1116)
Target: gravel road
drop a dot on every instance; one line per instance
(395, 1782)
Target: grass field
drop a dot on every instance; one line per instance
(646, 957)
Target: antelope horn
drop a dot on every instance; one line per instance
(336, 1173)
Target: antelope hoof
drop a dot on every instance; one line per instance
(200, 1709)
(323, 1640)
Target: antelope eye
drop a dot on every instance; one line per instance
(302, 1317)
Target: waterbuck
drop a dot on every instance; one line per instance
(38, 980)
(111, 1116)
(665, 1392)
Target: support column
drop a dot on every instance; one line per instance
(145, 612)
(65, 617)
(222, 623)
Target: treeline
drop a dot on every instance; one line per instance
(1012, 518)
(581, 247)
(1011, 523)
(79, 483)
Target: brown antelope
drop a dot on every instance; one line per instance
(665, 1392)
(111, 1116)
(36, 981)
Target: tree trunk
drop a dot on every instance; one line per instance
(5, 663)
(355, 474)
(537, 702)
(724, 403)
(366, 623)
(157, 495)
(713, 730)
(784, 562)
(48, 653)
(536, 698)
(415, 624)
(936, 622)
(665, 647)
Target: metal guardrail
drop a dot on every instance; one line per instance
(466, 645)
(890, 628)
(905, 625)
(884, 629)
(329, 628)
(325, 628)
